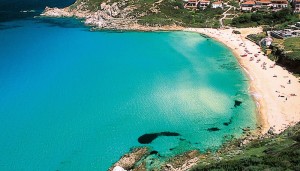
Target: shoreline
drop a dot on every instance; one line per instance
(260, 111)
(276, 107)
(275, 111)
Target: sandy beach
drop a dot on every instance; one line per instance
(276, 91)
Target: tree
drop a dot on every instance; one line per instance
(256, 17)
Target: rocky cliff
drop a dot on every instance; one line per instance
(108, 16)
(120, 15)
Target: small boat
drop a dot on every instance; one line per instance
(244, 55)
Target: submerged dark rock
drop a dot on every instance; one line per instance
(169, 134)
(237, 103)
(227, 123)
(148, 138)
(153, 152)
(213, 129)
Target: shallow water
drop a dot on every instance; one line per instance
(72, 99)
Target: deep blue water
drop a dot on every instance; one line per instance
(72, 99)
(11, 9)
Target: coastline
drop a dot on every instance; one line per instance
(277, 108)
(274, 113)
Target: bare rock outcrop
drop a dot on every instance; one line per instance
(111, 10)
(108, 16)
(182, 162)
(56, 12)
(128, 161)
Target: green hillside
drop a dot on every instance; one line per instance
(280, 152)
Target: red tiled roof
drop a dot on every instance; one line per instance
(218, 2)
(249, 3)
(265, 1)
(284, 1)
(279, 2)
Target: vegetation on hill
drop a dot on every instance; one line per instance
(169, 12)
(183, 17)
(286, 52)
(256, 37)
(280, 152)
(292, 48)
(277, 19)
(161, 12)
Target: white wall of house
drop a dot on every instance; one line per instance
(246, 8)
(297, 7)
(280, 5)
(217, 6)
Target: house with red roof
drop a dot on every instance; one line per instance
(279, 4)
(191, 4)
(217, 4)
(247, 6)
(263, 3)
(203, 4)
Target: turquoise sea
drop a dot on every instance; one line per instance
(71, 99)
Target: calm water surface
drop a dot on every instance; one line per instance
(72, 99)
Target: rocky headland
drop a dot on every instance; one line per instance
(109, 16)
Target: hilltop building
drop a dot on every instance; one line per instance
(248, 5)
(296, 6)
(217, 4)
(191, 4)
(202, 4)
(263, 3)
(279, 4)
(251, 5)
(266, 41)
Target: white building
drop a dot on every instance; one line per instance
(191, 4)
(296, 6)
(279, 3)
(203, 4)
(217, 4)
(247, 6)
